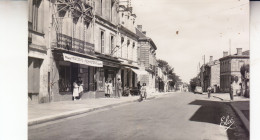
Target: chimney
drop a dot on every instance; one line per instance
(139, 27)
(210, 58)
(225, 54)
(144, 32)
(239, 51)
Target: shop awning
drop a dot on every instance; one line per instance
(82, 60)
(139, 72)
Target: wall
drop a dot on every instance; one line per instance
(215, 75)
(42, 41)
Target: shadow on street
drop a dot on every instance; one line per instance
(213, 111)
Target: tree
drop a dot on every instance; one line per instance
(169, 71)
(194, 82)
(244, 70)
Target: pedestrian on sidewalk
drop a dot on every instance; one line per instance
(110, 88)
(119, 88)
(143, 92)
(209, 91)
(80, 84)
(75, 90)
(106, 89)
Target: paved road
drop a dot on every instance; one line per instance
(180, 116)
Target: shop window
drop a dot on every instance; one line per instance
(65, 82)
(100, 80)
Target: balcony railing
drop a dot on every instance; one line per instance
(73, 44)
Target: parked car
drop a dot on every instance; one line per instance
(198, 89)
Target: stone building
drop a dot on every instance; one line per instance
(127, 51)
(212, 75)
(38, 50)
(230, 66)
(147, 58)
(72, 44)
(106, 40)
(89, 40)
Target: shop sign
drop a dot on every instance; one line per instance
(81, 60)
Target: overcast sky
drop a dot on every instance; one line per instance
(205, 28)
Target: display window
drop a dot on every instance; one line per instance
(65, 79)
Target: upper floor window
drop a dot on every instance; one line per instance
(111, 44)
(101, 7)
(102, 41)
(111, 10)
(34, 14)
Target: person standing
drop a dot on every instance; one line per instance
(119, 87)
(75, 90)
(106, 89)
(110, 88)
(143, 92)
(80, 84)
(209, 91)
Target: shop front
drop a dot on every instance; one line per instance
(74, 68)
(110, 72)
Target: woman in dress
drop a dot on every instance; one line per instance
(110, 88)
(106, 89)
(143, 92)
(75, 90)
(80, 89)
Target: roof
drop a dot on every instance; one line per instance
(244, 55)
(143, 37)
(246, 52)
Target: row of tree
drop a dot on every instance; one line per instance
(169, 71)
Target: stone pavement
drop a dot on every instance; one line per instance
(41, 113)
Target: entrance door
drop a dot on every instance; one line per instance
(74, 73)
(34, 66)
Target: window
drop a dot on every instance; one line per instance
(111, 11)
(127, 51)
(33, 14)
(102, 41)
(101, 6)
(65, 79)
(111, 44)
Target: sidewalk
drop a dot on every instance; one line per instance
(41, 113)
(240, 105)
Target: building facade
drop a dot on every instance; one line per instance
(38, 50)
(89, 40)
(230, 66)
(212, 75)
(147, 58)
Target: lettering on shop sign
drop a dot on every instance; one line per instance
(81, 60)
(226, 122)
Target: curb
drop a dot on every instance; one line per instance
(242, 117)
(73, 113)
(78, 112)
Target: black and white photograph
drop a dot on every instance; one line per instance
(130, 69)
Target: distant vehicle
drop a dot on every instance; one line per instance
(198, 89)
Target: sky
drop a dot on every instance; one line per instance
(205, 27)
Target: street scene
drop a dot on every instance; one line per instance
(138, 69)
